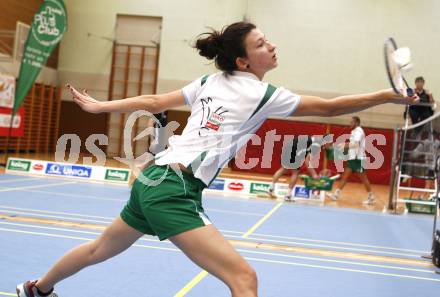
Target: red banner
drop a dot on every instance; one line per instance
(5, 121)
(284, 127)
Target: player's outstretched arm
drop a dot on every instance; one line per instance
(151, 103)
(316, 106)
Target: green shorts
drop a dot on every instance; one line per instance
(356, 165)
(167, 209)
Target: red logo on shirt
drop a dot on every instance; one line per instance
(212, 117)
(211, 125)
(214, 121)
(236, 186)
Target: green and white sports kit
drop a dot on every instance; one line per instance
(225, 112)
(356, 156)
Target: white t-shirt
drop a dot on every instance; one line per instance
(357, 138)
(225, 112)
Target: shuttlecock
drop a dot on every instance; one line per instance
(402, 57)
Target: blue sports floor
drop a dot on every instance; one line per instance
(297, 250)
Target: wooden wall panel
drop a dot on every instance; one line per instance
(40, 121)
(73, 120)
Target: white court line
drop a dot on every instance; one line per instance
(76, 237)
(240, 250)
(83, 196)
(248, 258)
(337, 261)
(53, 216)
(19, 179)
(345, 269)
(327, 246)
(327, 208)
(340, 242)
(4, 189)
(230, 231)
(363, 212)
(31, 211)
(254, 214)
(124, 200)
(299, 244)
(144, 238)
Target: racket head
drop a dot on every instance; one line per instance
(394, 72)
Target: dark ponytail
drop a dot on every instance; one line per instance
(225, 46)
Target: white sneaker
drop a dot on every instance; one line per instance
(28, 289)
(369, 200)
(271, 193)
(335, 195)
(288, 198)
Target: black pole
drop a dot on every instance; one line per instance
(402, 138)
(394, 162)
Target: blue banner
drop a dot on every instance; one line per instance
(217, 184)
(68, 170)
(302, 192)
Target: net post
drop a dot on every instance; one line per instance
(393, 170)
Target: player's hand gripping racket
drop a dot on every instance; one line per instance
(397, 60)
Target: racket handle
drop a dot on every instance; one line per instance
(410, 92)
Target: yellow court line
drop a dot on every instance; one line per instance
(260, 222)
(254, 244)
(191, 284)
(247, 258)
(8, 294)
(263, 246)
(199, 277)
(82, 224)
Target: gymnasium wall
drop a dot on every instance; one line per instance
(336, 47)
(87, 58)
(325, 48)
(86, 48)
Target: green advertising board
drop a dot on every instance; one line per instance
(116, 175)
(18, 165)
(259, 188)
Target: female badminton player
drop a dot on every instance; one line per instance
(228, 105)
